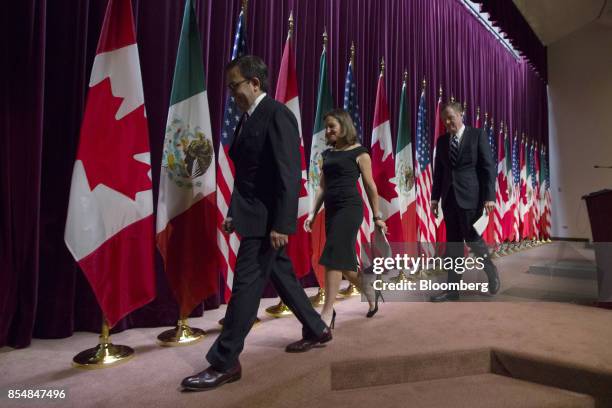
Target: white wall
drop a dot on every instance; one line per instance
(580, 124)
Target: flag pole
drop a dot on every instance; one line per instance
(319, 299)
(243, 8)
(350, 290)
(105, 354)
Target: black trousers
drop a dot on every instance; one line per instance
(257, 262)
(460, 228)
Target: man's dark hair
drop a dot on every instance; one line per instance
(454, 105)
(251, 66)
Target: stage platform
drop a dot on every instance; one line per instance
(518, 349)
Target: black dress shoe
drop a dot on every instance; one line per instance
(445, 297)
(306, 344)
(494, 282)
(211, 378)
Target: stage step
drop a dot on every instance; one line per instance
(520, 369)
(574, 269)
(474, 391)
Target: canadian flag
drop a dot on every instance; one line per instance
(109, 229)
(439, 130)
(298, 248)
(383, 165)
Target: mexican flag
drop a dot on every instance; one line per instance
(186, 207)
(404, 170)
(315, 168)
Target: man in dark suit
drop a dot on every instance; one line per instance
(266, 153)
(464, 177)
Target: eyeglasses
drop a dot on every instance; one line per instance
(234, 85)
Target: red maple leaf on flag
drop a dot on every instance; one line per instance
(107, 146)
(385, 171)
(503, 188)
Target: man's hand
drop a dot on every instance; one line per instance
(278, 240)
(228, 225)
(489, 206)
(434, 208)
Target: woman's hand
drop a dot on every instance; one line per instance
(382, 225)
(308, 223)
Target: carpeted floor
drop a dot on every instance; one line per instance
(507, 351)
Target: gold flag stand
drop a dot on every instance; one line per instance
(350, 290)
(105, 354)
(401, 277)
(318, 299)
(181, 335)
(279, 310)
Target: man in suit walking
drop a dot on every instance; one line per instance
(464, 177)
(266, 153)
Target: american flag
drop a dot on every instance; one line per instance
(546, 225)
(351, 102)
(351, 105)
(426, 222)
(489, 233)
(535, 206)
(228, 245)
(492, 141)
(525, 188)
(501, 188)
(516, 181)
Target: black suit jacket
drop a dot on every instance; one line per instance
(266, 155)
(472, 177)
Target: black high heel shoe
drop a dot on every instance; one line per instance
(377, 295)
(332, 324)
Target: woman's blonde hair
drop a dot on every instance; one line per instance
(349, 133)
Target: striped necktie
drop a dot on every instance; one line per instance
(454, 149)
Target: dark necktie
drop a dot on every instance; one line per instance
(454, 149)
(243, 120)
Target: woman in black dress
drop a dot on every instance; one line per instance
(343, 163)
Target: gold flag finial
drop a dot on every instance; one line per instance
(245, 4)
(405, 76)
(325, 38)
(290, 25)
(478, 111)
(452, 98)
(382, 66)
(423, 83)
(440, 91)
(352, 53)
(464, 106)
(486, 114)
